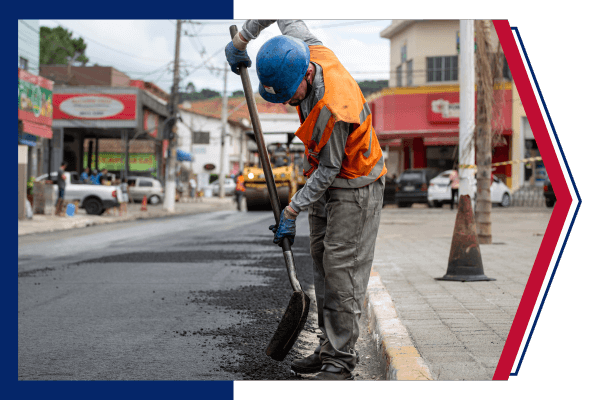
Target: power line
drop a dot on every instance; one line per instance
(113, 49)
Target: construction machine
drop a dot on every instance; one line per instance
(286, 163)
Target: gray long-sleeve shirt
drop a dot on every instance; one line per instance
(332, 154)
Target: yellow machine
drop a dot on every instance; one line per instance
(287, 172)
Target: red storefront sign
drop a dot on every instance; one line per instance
(423, 112)
(95, 106)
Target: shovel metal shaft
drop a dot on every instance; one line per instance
(266, 164)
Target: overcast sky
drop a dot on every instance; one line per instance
(145, 49)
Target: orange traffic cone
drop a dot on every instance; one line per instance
(144, 204)
(465, 262)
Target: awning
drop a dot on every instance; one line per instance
(184, 156)
(27, 139)
(37, 129)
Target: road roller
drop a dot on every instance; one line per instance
(287, 173)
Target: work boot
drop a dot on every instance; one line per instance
(330, 372)
(307, 365)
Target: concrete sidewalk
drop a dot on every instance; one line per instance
(48, 223)
(440, 330)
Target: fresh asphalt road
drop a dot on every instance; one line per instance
(183, 298)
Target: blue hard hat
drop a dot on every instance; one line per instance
(281, 64)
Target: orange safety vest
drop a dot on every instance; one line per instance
(239, 184)
(343, 101)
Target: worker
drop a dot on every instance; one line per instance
(345, 172)
(239, 190)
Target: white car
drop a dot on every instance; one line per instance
(95, 199)
(229, 187)
(140, 186)
(439, 192)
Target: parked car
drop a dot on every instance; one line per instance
(229, 187)
(95, 199)
(440, 193)
(389, 192)
(412, 186)
(549, 194)
(140, 186)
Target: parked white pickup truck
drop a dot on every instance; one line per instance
(95, 199)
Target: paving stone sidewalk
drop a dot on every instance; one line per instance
(458, 328)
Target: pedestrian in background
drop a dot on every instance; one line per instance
(103, 177)
(94, 178)
(239, 190)
(60, 181)
(85, 176)
(454, 185)
(125, 193)
(193, 186)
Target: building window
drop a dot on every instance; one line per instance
(409, 73)
(23, 63)
(403, 53)
(399, 76)
(505, 70)
(201, 137)
(441, 69)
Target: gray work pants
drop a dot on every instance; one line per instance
(343, 229)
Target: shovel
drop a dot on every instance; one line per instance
(296, 313)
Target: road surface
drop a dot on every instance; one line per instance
(183, 298)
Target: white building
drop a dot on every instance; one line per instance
(200, 135)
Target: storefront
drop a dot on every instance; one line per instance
(35, 119)
(99, 126)
(418, 127)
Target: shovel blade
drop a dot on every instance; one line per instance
(289, 327)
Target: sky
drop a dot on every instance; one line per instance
(145, 49)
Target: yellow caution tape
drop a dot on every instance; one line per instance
(525, 160)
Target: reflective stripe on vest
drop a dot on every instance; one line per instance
(343, 101)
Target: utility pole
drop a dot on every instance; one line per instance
(466, 150)
(485, 98)
(223, 135)
(169, 203)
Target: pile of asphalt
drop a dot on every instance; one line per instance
(262, 308)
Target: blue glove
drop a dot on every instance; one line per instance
(285, 228)
(236, 58)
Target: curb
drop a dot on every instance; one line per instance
(397, 351)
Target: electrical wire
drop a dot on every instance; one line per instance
(110, 48)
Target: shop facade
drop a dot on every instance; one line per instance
(418, 127)
(99, 126)
(35, 120)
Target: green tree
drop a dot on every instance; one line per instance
(237, 93)
(369, 87)
(208, 94)
(190, 88)
(58, 46)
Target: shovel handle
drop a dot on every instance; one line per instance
(266, 163)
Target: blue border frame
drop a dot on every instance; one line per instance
(87, 389)
(537, 316)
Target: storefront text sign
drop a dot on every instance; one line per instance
(443, 108)
(96, 106)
